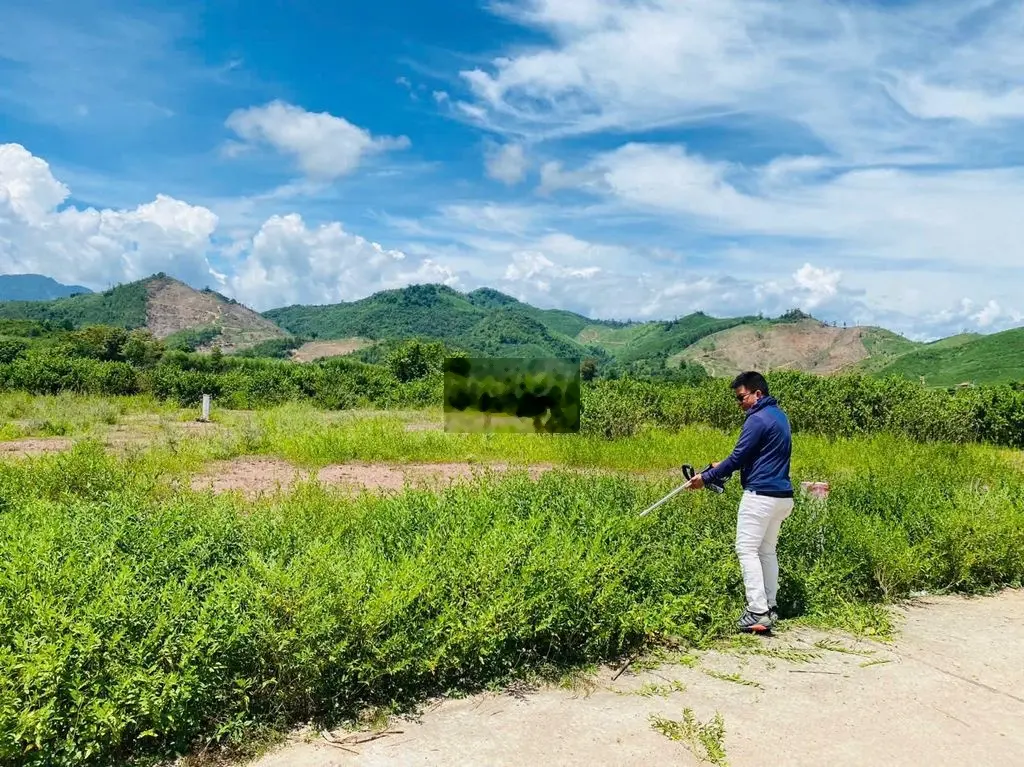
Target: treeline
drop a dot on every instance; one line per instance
(840, 406)
(112, 361)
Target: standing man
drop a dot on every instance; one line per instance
(762, 455)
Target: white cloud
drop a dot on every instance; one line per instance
(284, 259)
(27, 188)
(507, 163)
(831, 69)
(88, 246)
(286, 263)
(977, 106)
(952, 217)
(325, 146)
(489, 217)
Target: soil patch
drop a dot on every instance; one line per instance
(256, 476)
(23, 448)
(252, 476)
(316, 350)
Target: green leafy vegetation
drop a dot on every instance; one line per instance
(274, 348)
(123, 305)
(109, 360)
(139, 619)
(704, 739)
(192, 339)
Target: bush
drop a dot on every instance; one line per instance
(12, 349)
(138, 623)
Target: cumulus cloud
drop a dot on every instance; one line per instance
(88, 246)
(284, 261)
(323, 145)
(287, 262)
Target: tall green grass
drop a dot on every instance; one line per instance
(70, 414)
(138, 621)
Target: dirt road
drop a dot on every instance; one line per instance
(948, 690)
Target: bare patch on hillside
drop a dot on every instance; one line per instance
(808, 346)
(173, 306)
(317, 350)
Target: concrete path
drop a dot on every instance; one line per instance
(950, 690)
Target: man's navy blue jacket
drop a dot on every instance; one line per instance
(762, 452)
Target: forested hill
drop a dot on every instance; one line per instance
(486, 322)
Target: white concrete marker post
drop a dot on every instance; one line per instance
(206, 407)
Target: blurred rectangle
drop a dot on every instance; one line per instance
(511, 394)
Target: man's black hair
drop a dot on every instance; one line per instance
(752, 381)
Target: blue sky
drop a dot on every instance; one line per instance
(862, 161)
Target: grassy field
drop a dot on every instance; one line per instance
(140, 619)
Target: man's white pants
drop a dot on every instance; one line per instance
(757, 532)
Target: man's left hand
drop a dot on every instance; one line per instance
(695, 483)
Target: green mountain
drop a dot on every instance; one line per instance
(484, 322)
(35, 287)
(967, 358)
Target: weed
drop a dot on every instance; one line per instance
(834, 645)
(647, 689)
(735, 678)
(874, 662)
(704, 739)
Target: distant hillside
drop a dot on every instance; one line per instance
(168, 308)
(968, 358)
(558, 320)
(123, 306)
(483, 322)
(808, 345)
(173, 307)
(35, 287)
(487, 322)
(639, 341)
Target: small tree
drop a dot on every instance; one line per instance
(588, 370)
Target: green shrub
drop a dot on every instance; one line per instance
(136, 622)
(12, 349)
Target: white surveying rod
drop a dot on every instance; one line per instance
(667, 497)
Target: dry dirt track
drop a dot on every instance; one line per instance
(950, 693)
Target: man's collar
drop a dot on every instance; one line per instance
(761, 403)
